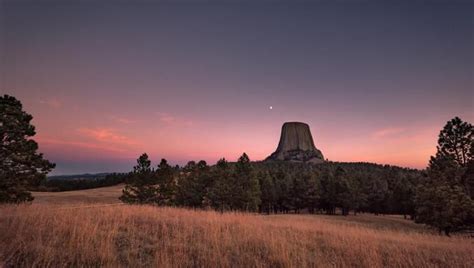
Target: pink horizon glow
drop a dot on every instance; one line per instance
(177, 139)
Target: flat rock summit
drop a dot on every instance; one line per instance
(296, 144)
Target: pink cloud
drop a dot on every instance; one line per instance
(53, 103)
(169, 119)
(387, 132)
(166, 118)
(123, 120)
(55, 149)
(107, 135)
(86, 145)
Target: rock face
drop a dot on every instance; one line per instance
(296, 144)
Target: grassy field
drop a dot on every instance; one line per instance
(103, 195)
(56, 233)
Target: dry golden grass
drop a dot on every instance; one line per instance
(123, 235)
(103, 195)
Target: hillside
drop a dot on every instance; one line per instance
(103, 195)
(137, 236)
(85, 176)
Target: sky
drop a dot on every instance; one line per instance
(190, 80)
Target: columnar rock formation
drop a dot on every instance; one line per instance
(296, 144)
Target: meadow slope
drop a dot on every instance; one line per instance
(129, 236)
(102, 195)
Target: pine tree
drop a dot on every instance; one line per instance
(456, 140)
(194, 184)
(187, 188)
(312, 192)
(358, 195)
(377, 195)
(268, 192)
(403, 196)
(328, 200)
(141, 186)
(298, 192)
(445, 207)
(247, 189)
(21, 166)
(282, 186)
(165, 177)
(443, 200)
(221, 192)
(468, 178)
(343, 191)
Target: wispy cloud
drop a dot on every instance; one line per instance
(169, 119)
(107, 135)
(53, 103)
(387, 132)
(123, 120)
(86, 145)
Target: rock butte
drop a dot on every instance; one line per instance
(296, 144)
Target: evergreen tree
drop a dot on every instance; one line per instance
(268, 192)
(456, 140)
(403, 197)
(328, 200)
(358, 195)
(281, 182)
(21, 166)
(445, 207)
(141, 186)
(194, 184)
(188, 189)
(377, 195)
(311, 192)
(165, 177)
(343, 191)
(247, 189)
(221, 192)
(443, 200)
(468, 178)
(298, 192)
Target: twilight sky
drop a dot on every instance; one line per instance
(189, 80)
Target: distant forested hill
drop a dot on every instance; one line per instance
(79, 176)
(80, 182)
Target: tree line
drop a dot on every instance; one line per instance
(275, 187)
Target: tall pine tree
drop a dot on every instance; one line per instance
(247, 189)
(140, 187)
(21, 165)
(221, 190)
(443, 200)
(165, 177)
(456, 140)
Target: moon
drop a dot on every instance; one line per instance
(271, 107)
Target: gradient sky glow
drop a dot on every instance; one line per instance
(190, 80)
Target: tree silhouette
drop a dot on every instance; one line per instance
(221, 190)
(443, 200)
(456, 140)
(193, 184)
(21, 166)
(165, 177)
(141, 187)
(246, 186)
